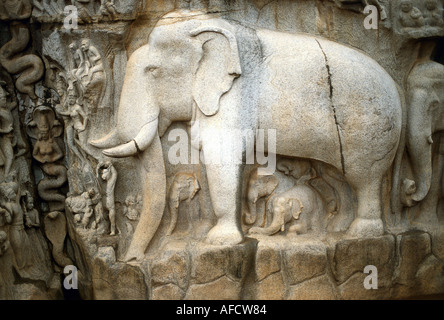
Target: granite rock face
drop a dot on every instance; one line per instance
(217, 149)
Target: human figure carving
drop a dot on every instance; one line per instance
(80, 63)
(108, 8)
(75, 119)
(6, 132)
(108, 173)
(94, 59)
(17, 236)
(4, 243)
(131, 210)
(32, 218)
(410, 16)
(433, 14)
(44, 127)
(82, 208)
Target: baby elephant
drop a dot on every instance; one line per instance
(300, 199)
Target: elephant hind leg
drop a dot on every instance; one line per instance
(368, 222)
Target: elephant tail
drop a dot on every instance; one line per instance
(395, 193)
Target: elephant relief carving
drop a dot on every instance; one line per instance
(425, 96)
(260, 79)
(184, 188)
(301, 209)
(259, 186)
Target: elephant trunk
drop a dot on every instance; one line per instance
(422, 168)
(274, 227)
(419, 145)
(153, 178)
(250, 215)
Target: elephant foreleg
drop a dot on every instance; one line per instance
(224, 183)
(152, 169)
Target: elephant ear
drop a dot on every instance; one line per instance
(296, 208)
(218, 67)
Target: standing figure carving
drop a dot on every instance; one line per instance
(108, 173)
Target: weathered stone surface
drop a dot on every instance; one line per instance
(211, 262)
(116, 153)
(303, 261)
(167, 292)
(220, 289)
(171, 267)
(318, 288)
(353, 289)
(351, 256)
(437, 237)
(271, 287)
(414, 247)
(268, 260)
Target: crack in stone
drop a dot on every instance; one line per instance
(333, 106)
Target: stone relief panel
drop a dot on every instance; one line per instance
(192, 146)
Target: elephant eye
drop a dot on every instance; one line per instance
(151, 69)
(434, 105)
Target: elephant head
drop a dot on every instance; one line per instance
(283, 209)
(259, 186)
(189, 62)
(425, 117)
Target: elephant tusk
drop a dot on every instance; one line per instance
(140, 143)
(108, 141)
(122, 151)
(429, 139)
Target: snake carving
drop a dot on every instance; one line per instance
(48, 187)
(30, 67)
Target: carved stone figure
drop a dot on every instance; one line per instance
(425, 93)
(4, 243)
(107, 8)
(259, 186)
(108, 173)
(410, 16)
(433, 14)
(184, 187)
(82, 208)
(17, 236)
(6, 133)
(29, 67)
(32, 218)
(75, 119)
(203, 49)
(131, 210)
(15, 9)
(301, 203)
(44, 127)
(84, 14)
(55, 230)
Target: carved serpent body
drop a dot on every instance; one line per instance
(30, 66)
(48, 187)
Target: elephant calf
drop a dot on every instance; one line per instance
(301, 203)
